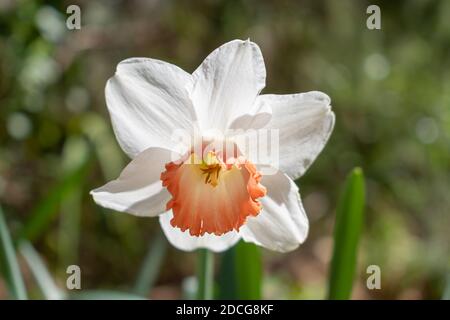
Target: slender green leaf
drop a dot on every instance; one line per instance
(9, 267)
(69, 228)
(76, 154)
(43, 278)
(205, 275)
(348, 225)
(248, 271)
(241, 273)
(151, 266)
(47, 208)
(227, 276)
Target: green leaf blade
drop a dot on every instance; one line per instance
(76, 164)
(39, 270)
(205, 274)
(241, 273)
(248, 271)
(9, 267)
(349, 221)
(151, 266)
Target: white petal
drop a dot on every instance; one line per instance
(227, 83)
(282, 223)
(148, 100)
(138, 190)
(184, 241)
(256, 118)
(305, 122)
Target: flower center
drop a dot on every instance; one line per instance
(211, 196)
(211, 169)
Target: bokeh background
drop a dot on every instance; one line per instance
(390, 90)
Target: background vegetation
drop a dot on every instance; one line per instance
(390, 90)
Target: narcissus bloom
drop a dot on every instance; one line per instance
(207, 196)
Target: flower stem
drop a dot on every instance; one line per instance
(205, 274)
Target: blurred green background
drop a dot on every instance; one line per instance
(390, 90)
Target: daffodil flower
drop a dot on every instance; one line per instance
(207, 198)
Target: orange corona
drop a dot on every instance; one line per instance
(211, 196)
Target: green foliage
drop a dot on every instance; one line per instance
(389, 89)
(151, 266)
(40, 272)
(47, 208)
(104, 295)
(205, 275)
(9, 267)
(241, 273)
(347, 230)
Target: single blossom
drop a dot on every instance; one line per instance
(205, 197)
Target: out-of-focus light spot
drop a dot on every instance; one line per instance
(18, 126)
(50, 23)
(39, 70)
(189, 286)
(77, 99)
(427, 130)
(377, 67)
(75, 153)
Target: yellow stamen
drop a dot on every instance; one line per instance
(210, 166)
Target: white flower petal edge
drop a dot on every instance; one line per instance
(138, 190)
(305, 122)
(184, 241)
(282, 224)
(147, 100)
(227, 83)
(256, 117)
